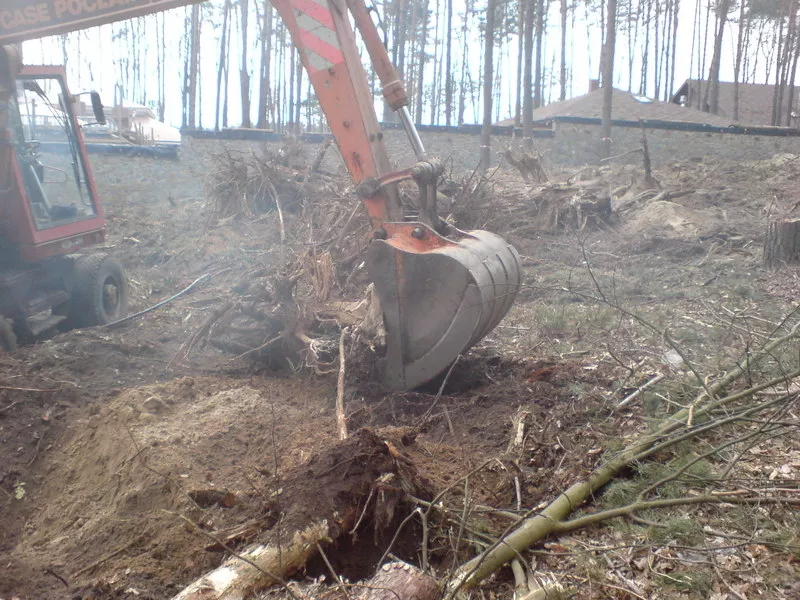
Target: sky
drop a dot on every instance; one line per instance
(94, 60)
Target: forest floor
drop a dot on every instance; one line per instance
(109, 436)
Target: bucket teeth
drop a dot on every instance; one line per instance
(438, 303)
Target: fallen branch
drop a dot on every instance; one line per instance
(635, 394)
(633, 508)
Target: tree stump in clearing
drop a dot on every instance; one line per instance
(782, 243)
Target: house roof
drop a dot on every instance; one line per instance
(625, 107)
(755, 100)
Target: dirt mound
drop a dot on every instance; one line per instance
(662, 218)
(109, 498)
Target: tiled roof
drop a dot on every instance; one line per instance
(755, 100)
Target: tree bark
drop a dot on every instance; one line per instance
(782, 243)
(608, 77)
(488, 78)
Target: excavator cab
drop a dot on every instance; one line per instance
(49, 211)
(57, 191)
(49, 200)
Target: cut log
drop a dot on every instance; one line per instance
(782, 243)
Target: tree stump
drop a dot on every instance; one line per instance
(782, 243)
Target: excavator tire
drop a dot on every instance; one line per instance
(8, 339)
(99, 291)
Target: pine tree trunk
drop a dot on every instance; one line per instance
(291, 87)
(266, 60)
(298, 91)
(436, 80)
(646, 53)
(448, 82)
(737, 68)
(562, 95)
(537, 84)
(462, 88)
(226, 77)
(656, 53)
(488, 79)
(782, 243)
(221, 65)
(608, 77)
(527, 77)
(421, 59)
(244, 74)
(793, 71)
(677, 8)
(194, 60)
(712, 91)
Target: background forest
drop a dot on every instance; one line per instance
(230, 62)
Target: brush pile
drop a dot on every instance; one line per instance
(287, 309)
(248, 184)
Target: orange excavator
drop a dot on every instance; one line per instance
(441, 290)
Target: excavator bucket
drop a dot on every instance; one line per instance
(439, 302)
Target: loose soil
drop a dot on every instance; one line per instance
(111, 436)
